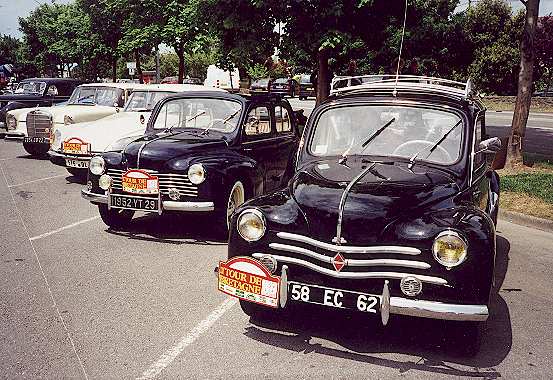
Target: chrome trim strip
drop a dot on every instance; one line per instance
(53, 153)
(355, 275)
(167, 205)
(438, 310)
(351, 262)
(350, 249)
(94, 197)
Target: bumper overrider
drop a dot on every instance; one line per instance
(166, 205)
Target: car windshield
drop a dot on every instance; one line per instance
(145, 100)
(405, 131)
(202, 113)
(102, 96)
(30, 88)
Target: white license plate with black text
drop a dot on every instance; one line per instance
(80, 164)
(36, 140)
(134, 203)
(337, 298)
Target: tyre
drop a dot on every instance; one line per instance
(36, 150)
(235, 196)
(115, 218)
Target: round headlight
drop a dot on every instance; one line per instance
(251, 225)
(11, 123)
(449, 249)
(105, 182)
(67, 120)
(97, 165)
(196, 174)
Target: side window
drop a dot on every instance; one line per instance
(168, 116)
(282, 119)
(479, 157)
(258, 122)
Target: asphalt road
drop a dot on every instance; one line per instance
(539, 133)
(80, 301)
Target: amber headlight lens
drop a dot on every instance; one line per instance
(11, 123)
(97, 165)
(196, 174)
(449, 249)
(251, 225)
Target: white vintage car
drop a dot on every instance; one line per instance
(72, 146)
(88, 102)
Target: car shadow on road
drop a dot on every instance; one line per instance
(75, 179)
(29, 157)
(430, 343)
(174, 228)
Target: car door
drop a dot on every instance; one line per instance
(286, 140)
(259, 142)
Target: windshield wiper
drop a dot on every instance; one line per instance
(433, 148)
(170, 129)
(344, 158)
(225, 120)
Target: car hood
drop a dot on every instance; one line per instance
(386, 193)
(103, 132)
(161, 149)
(79, 113)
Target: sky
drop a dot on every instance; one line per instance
(11, 10)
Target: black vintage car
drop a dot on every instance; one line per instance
(41, 92)
(391, 210)
(202, 152)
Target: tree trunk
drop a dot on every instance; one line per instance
(524, 95)
(323, 76)
(180, 53)
(114, 69)
(138, 68)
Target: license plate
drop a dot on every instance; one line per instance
(337, 298)
(38, 140)
(134, 203)
(80, 164)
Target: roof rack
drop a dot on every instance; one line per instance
(391, 83)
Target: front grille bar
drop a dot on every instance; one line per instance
(349, 249)
(353, 275)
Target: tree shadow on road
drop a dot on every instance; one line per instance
(174, 228)
(430, 343)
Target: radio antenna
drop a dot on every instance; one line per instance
(394, 93)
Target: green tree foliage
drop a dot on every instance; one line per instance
(494, 33)
(257, 71)
(544, 53)
(9, 47)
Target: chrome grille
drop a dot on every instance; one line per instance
(38, 124)
(319, 256)
(166, 181)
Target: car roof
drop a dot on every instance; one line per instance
(174, 87)
(50, 80)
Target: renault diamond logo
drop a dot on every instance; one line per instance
(338, 262)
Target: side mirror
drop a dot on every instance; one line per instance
(492, 145)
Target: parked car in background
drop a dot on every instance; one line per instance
(219, 78)
(73, 146)
(547, 93)
(307, 89)
(88, 102)
(285, 86)
(202, 152)
(260, 85)
(197, 81)
(391, 210)
(170, 80)
(339, 82)
(36, 92)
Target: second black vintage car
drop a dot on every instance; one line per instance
(391, 210)
(202, 152)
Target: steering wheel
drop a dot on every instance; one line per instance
(213, 121)
(411, 147)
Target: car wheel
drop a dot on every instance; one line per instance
(236, 197)
(115, 218)
(35, 150)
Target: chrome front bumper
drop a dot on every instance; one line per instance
(55, 154)
(166, 205)
(411, 307)
(13, 136)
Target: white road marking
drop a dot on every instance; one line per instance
(64, 228)
(39, 180)
(54, 303)
(194, 334)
